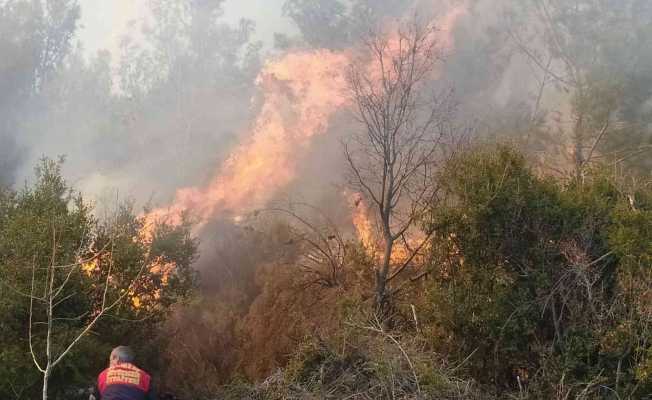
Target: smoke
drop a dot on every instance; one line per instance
(155, 118)
(9, 159)
(170, 107)
(301, 92)
(192, 108)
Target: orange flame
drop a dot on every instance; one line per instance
(301, 90)
(396, 44)
(361, 218)
(446, 24)
(89, 267)
(367, 233)
(360, 212)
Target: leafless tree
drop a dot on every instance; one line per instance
(393, 157)
(323, 249)
(54, 291)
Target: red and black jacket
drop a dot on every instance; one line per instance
(124, 382)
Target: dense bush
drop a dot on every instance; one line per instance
(538, 288)
(48, 222)
(544, 283)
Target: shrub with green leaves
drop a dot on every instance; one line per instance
(545, 283)
(46, 224)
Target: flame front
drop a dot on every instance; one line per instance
(301, 91)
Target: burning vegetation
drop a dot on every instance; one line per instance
(428, 199)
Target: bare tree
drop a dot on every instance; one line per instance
(393, 157)
(55, 291)
(323, 249)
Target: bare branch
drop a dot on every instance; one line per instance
(411, 257)
(104, 308)
(402, 127)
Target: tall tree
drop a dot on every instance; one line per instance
(394, 154)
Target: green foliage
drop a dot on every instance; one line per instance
(541, 281)
(540, 288)
(47, 223)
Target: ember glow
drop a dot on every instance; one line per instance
(361, 218)
(368, 234)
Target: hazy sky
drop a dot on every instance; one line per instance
(105, 21)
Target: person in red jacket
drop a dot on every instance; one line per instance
(123, 380)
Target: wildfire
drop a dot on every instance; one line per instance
(93, 266)
(301, 91)
(361, 218)
(441, 37)
(447, 23)
(367, 233)
(361, 215)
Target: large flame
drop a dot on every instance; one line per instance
(361, 214)
(301, 92)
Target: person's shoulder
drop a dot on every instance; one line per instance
(145, 381)
(101, 379)
(145, 375)
(103, 373)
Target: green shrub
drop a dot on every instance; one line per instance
(537, 278)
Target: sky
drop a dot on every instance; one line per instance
(103, 22)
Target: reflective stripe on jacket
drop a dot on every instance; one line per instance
(124, 382)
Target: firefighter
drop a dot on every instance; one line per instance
(123, 380)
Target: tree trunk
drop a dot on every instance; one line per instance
(382, 298)
(46, 378)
